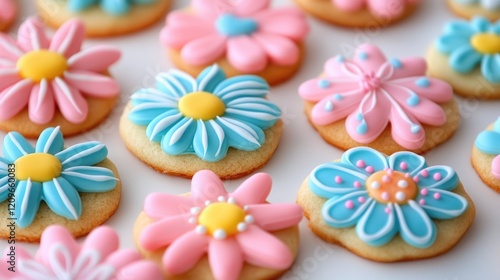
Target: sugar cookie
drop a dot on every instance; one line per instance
(486, 156)
(470, 8)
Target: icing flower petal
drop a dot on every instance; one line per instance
(176, 261)
(408, 67)
(223, 267)
(346, 210)
(322, 180)
(246, 55)
(31, 35)
(426, 87)
(160, 125)
(363, 157)
(103, 240)
(241, 86)
(62, 198)
(253, 190)
(4, 185)
(121, 259)
(461, 27)
(9, 48)
(490, 67)
(369, 58)
(29, 194)
(14, 98)
(158, 205)
(70, 101)
(416, 228)
(16, 146)
(449, 43)
(241, 135)
(141, 269)
(8, 77)
(90, 178)
(257, 111)
(206, 186)
(178, 140)
(83, 154)
(407, 162)
(68, 38)
(495, 167)
(115, 7)
(50, 141)
(406, 130)
(172, 228)
(439, 177)
(286, 22)
(480, 24)
(204, 50)
(95, 59)
(92, 84)
(487, 142)
(465, 59)
(79, 5)
(41, 103)
(269, 217)
(53, 235)
(335, 107)
(317, 89)
(439, 204)
(378, 224)
(184, 28)
(175, 84)
(209, 142)
(210, 78)
(280, 49)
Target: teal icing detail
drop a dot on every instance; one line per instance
(423, 82)
(328, 106)
(359, 116)
(338, 97)
(413, 100)
(415, 128)
(111, 7)
(340, 58)
(377, 223)
(61, 194)
(488, 141)
(324, 84)
(230, 25)
(363, 55)
(396, 63)
(362, 128)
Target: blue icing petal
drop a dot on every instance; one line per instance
(465, 59)
(490, 68)
(450, 42)
(210, 78)
(257, 111)
(423, 82)
(80, 5)
(328, 106)
(363, 56)
(175, 83)
(480, 24)
(160, 125)
(231, 25)
(368, 156)
(496, 125)
(4, 186)
(28, 195)
(362, 128)
(336, 214)
(396, 63)
(90, 178)
(50, 141)
(415, 226)
(459, 27)
(323, 179)
(488, 142)
(144, 114)
(115, 7)
(446, 180)
(179, 139)
(16, 146)
(209, 141)
(241, 135)
(83, 154)
(377, 227)
(439, 204)
(414, 100)
(62, 198)
(241, 86)
(324, 84)
(407, 162)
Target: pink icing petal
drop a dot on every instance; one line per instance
(95, 59)
(495, 167)
(444, 90)
(69, 101)
(369, 57)
(122, 258)
(8, 10)
(41, 103)
(411, 67)
(14, 98)
(176, 261)
(163, 232)
(8, 77)
(349, 5)
(182, 28)
(225, 258)
(68, 38)
(402, 131)
(288, 22)
(92, 84)
(272, 217)
(9, 48)
(159, 205)
(52, 235)
(31, 35)
(247, 8)
(334, 68)
(245, 54)
(210, 8)
(263, 249)
(103, 240)
(322, 115)
(140, 270)
(204, 50)
(280, 50)
(253, 190)
(312, 91)
(386, 8)
(206, 185)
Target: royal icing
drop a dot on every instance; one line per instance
(377, 7)
(383, 196)
(60, 256)
(49, 75)
(472, 44)
(230, 228)
(111, 7)
(488, 142)
(249, 33)
(51, 173)
(207, 115)
(487, 4)
(371, 91)
(7, 10)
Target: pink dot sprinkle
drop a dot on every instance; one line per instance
(338, 180)
(386, 179)
(387, 210)
(385, 196)
(424, 173)
(421, 202)
(416, 179)
(390, 172)
(407, 175)
(349, 204)
(357, 184)
(369, 169)
(361, 163)
(403, 165)
(437, 196)
(361, 199)
(437, 176)
(424, 192)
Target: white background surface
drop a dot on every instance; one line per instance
(477, 256)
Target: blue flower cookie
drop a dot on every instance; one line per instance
(486, 155)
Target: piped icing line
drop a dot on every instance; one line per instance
(52, 174)
(488, 142)
(250, 35)
(53, 73)
(379, 87)
(398, 195)
(493, 5)
(111, 7)
(60, 256)
(211, 220)
(377, 7)
(233, 114)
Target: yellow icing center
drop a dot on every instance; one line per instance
(391, 186)
(201, 106)
(222, 216)
(41, 64)
(39, 167)
(486, 43)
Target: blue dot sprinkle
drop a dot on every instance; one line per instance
(415, 128)
(363, 56)
(396, 63)
(328, 106)
(362, 128)
(413, 100)
(340, 58)
(423, 82)
(359, 117)
(338, 97)
(323, 84)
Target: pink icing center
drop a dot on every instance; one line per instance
(370, 82)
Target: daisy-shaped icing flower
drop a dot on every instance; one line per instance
(488, 4)
(472, 44)
(383, 196)
(207, 115)
(371, 91)
(231, 228)
(51, 173)
(248, 33)
(488, 142)
(47, 75)
(112, 7)
(60, 257)
(376, 7)
(7, 10)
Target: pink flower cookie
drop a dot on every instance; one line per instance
(360, 13)
(354, 101)
(247, 37)
(8, 11)
(214, 234)
(61, 257)
(48, 82)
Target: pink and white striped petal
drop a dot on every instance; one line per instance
(68, 38)
(69, 101)
(41, 103)
(92, 84)
(96, 59)
(14, 98)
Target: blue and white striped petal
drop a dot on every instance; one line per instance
(179, 139)
(62, 198)
(80, 5)
(490, 67)
(28, 196)
(322, 179)
(175, 83)
(162, 124)
(441, 204)
(50, 141)
(439, 177)
(257, 111)
(336, 214)
(378, 225)
(241, 86)
(210, 78)
(210, 143)
(152, 95)
(16, 146)
(83, 154)
(115, 7)
(240, 135)
(90, 178)
(415, 226)
(4, 187)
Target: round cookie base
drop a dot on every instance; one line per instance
(99, 109)
(471, 85)
(97, 208)
(100, 24)
(201, 271)
(336, 134)
(482, 164)
(274, 74)
(449, 232)
(236, 164)
(326, 11)
(469, 11)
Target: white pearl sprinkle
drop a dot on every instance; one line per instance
(249, 219)
(375, 185)
(221, 199)
(220, 234)
(231, 200)
(400, 196)
(192, 220)
(242, 227)
(207, 202)
(195, 210)
(201, 229)
(246, 207)
(402, 184)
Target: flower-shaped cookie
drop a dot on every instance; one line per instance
(381, 8)
(231, 228)
(112, 7)
(370, 92)
(383, 196)
(488, 142)
(50, 75)
(487, 4)
(205, 116)
(61, 257)
(51, 173)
